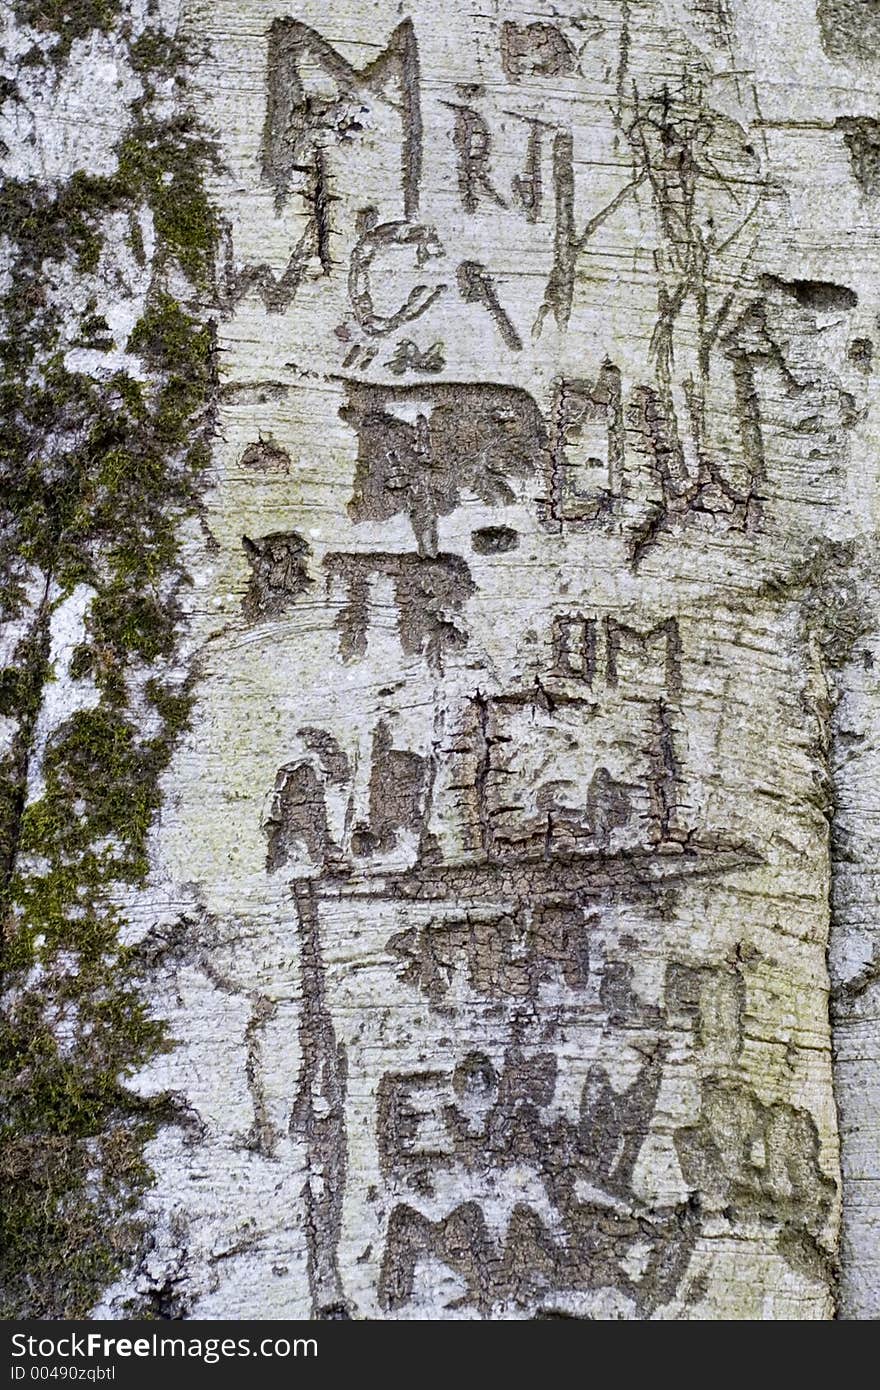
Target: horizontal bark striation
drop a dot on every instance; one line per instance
(532, 600)
(531, 582)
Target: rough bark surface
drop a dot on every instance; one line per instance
(437, 822)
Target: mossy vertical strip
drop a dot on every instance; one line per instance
(96, 475)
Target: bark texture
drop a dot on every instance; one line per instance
(438, 818)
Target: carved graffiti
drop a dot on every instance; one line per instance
(535, 50)
(429, 594)
(536, 382)
(418, 447)
(374, 236)
(279, 573)
(301, 121)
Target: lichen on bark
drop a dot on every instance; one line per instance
(103, 440)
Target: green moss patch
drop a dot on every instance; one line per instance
(95, 479)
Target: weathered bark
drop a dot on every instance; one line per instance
(424, 867)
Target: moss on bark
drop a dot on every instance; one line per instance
(96, 474)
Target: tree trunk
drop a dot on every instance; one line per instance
(441, 698)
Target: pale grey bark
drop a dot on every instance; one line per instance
(530, 783)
